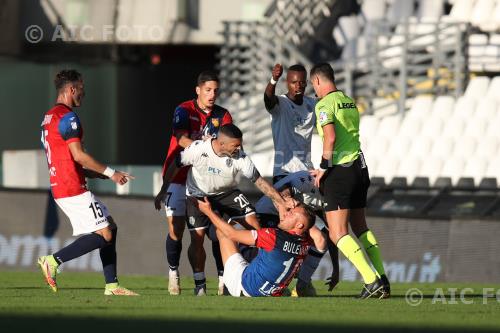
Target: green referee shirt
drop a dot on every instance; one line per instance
(340, 110)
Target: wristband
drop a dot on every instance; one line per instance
(324, 164)
(108, 172)
(273, 81)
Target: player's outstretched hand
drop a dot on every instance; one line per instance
(160, 197)
(317, 174)
(277, 72)
(332, 281)
(121, 177)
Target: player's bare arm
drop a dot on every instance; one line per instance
(241, 236)
(90, 163)
(92, 174)
(270, 99)
(265, 187)
(328, 144)
(183, 139)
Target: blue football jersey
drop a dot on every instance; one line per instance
(280, 256)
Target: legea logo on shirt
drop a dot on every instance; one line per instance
(214, 171)
(74, 125)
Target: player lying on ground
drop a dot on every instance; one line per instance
(300, 186)
(281, 251)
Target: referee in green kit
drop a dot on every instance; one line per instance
(343, 180)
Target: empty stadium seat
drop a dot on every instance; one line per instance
(430, 167)
(410, 127)
(465, 148)
(442, 147)
(421, 147)
(368, 125)
(387, 167)
(400, 146)
(486, 109)
(462, 10)
(466, 106)
(443, 107)
(409, 167)
(430, 9)
(475, 168)
(492, 23)
(487, 147)
(494, 86)
(431, 127)
(373, 10)
(389, 126)
(477, 87)
(476, 127)
(493, 169)
(454, 128)
(421, 106)
(482, 11)
(400, 10)
(453, 168)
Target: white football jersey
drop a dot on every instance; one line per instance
(292, 126)
(302, 185)
(211, 174)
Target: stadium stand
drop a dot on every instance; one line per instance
(425, 75)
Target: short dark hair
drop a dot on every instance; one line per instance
(297, 68)
(66, 76)
(206, 76)
(232, 131)
(310, 215)
(324, 70)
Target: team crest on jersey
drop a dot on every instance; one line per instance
(229, 162)
(215, 122)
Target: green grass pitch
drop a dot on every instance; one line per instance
(27, 305)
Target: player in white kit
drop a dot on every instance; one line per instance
(215, 165)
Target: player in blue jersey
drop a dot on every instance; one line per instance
(281, 251)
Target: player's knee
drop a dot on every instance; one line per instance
(177, 227)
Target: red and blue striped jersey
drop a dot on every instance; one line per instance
(191, 120)
(60, 127)
(280, 256)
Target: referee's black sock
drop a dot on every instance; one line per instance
(79, 247)
(174, 249)
(108, 259)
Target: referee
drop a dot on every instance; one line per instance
(343, 180)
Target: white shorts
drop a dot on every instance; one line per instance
(85, 212)
(233, 271)
(175, 202)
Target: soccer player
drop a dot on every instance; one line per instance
(343, 180)
(300, 186)
(281, 252)
(195, 119)
(292, 121)
(215, 164)
(68, 166)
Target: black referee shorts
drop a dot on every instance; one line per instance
(232, 205)
(345, 186)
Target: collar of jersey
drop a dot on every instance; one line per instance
(197, 108)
